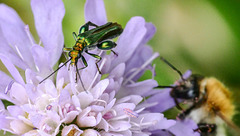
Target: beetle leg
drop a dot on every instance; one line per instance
(91, 24)
(114, 52)
(67, 49)
(74, 36)
(85, 27)
(84, 62)
(99, 59)
(77, 74)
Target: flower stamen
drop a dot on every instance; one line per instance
(19, 53)
(28, 34)
(155, 55)
(9, 87)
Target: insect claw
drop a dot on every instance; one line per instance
(98, 69)
(114, 53)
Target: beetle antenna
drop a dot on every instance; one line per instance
(54, 71)
(174, 68)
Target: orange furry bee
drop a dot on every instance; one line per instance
(209, 101)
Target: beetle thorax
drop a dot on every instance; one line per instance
(74, 54)
(79, 45)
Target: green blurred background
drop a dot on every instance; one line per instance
(192, 34)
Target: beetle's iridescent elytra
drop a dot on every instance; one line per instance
(90, 39)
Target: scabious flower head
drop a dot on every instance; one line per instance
(111, 103)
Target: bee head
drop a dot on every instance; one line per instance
(188, 88)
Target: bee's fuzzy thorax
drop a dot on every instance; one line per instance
(218, 98)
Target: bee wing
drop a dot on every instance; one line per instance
(227, 121)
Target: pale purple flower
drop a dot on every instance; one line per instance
(63, 106)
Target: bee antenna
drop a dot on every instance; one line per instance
(162, 86)
(174, 68)
(54, 71)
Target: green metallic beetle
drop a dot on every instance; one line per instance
(90, 39)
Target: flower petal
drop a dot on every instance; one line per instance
(41, 60)
(139, 88)
(99, 88)
(152, 119)
(184, 128)
(19, 127)
(163, 124)
(89, 73)
(140, 56)
(32, 92)
(14, 32)
(151, 30)
(118, 126)
(71, 130)
(63, 73)
(12, 69)
(70, 116)
(15, 111)
(103, 124)
(4, 122)
(64, 97)
(129, 40)
(18, 92)
(5, 80)
(117, 72)
(90, 132)
(48, 15)
(95, 12)
(31, 77)
(163, 99)
(136, 99)
(8, 51)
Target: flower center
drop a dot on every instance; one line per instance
(49, 127)
(68, 108)
(92, 114)
(108, 115)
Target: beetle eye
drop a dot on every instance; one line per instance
(69, 53)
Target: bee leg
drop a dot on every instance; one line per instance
(85, 27)
(174, 98)
(177, 104)
(184, 113)
(206, 129)
(187, 111)
(98, 59)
